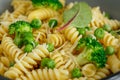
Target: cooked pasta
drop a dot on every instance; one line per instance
(10, 49)
(102, 73)
(99, 20)
(114, 63)
(45, 74)
(28, 62)
(56, 39)
(30, 49)
(89, 70)
(71, 34)
(42, 13)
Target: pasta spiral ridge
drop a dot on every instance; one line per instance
(2, 69)
(58, 58)
(114, 63)
(40, 35)
(10, 49)
(71, 34)
(110, 40)
(46, 74)
(56, 39)
(102, 73)
(28, 62)
(42, 13)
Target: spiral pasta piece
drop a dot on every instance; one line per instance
(81, 78)
(89, 70)
(71, 34)
(101, 73)
(110, 40)
(62, 2)
(40, 35)
(114, 63)
(42, 13)
(19, 11)
(98, 20)
(5, 61)
(58, 58)
(28, 62)
(56, 39)
(46, 74)
(17, 3)
(2, 69)
(10, 49)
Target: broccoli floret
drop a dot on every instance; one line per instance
(54, 4)
(47, 62)
(36, 23)
(28, 48)
(92, 51)
(76, 73)
(20, 26)
(50, 47)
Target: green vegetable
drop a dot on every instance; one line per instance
(107, 15)
(53, 23)
(20, 26)
(28, 48)
(47, 62)
(54, 4)
(23, 35)
(109, 50)
(107, 27)
(81, 31)
(50, 47)
(36, 23)
(78, 16)
(76, 73)
(12, 64)
(99, 33)
(92, 51)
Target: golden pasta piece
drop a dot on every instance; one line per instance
(2, 69)
(98, 20)
(71, 34)
(5, 61)
(114, 63)
(101, 73)
(19, 11)
(42, 13)
(40, 35)
(58, 58)
(45, 74)
(89, 70)
(27, 62)
(110, 40)
(56, 39)
(17, 3)
(10, 49)
(81, 78)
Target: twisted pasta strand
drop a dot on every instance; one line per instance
(10, 49)
(40, 35)
(28, 62)
(56, 39)
(71, 34)
(110, 40)
(46, 74)
(114, 63)
(102, 73)
(42, 13)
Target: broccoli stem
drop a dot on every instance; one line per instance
(82, 57)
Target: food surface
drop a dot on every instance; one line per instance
(52, 40)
